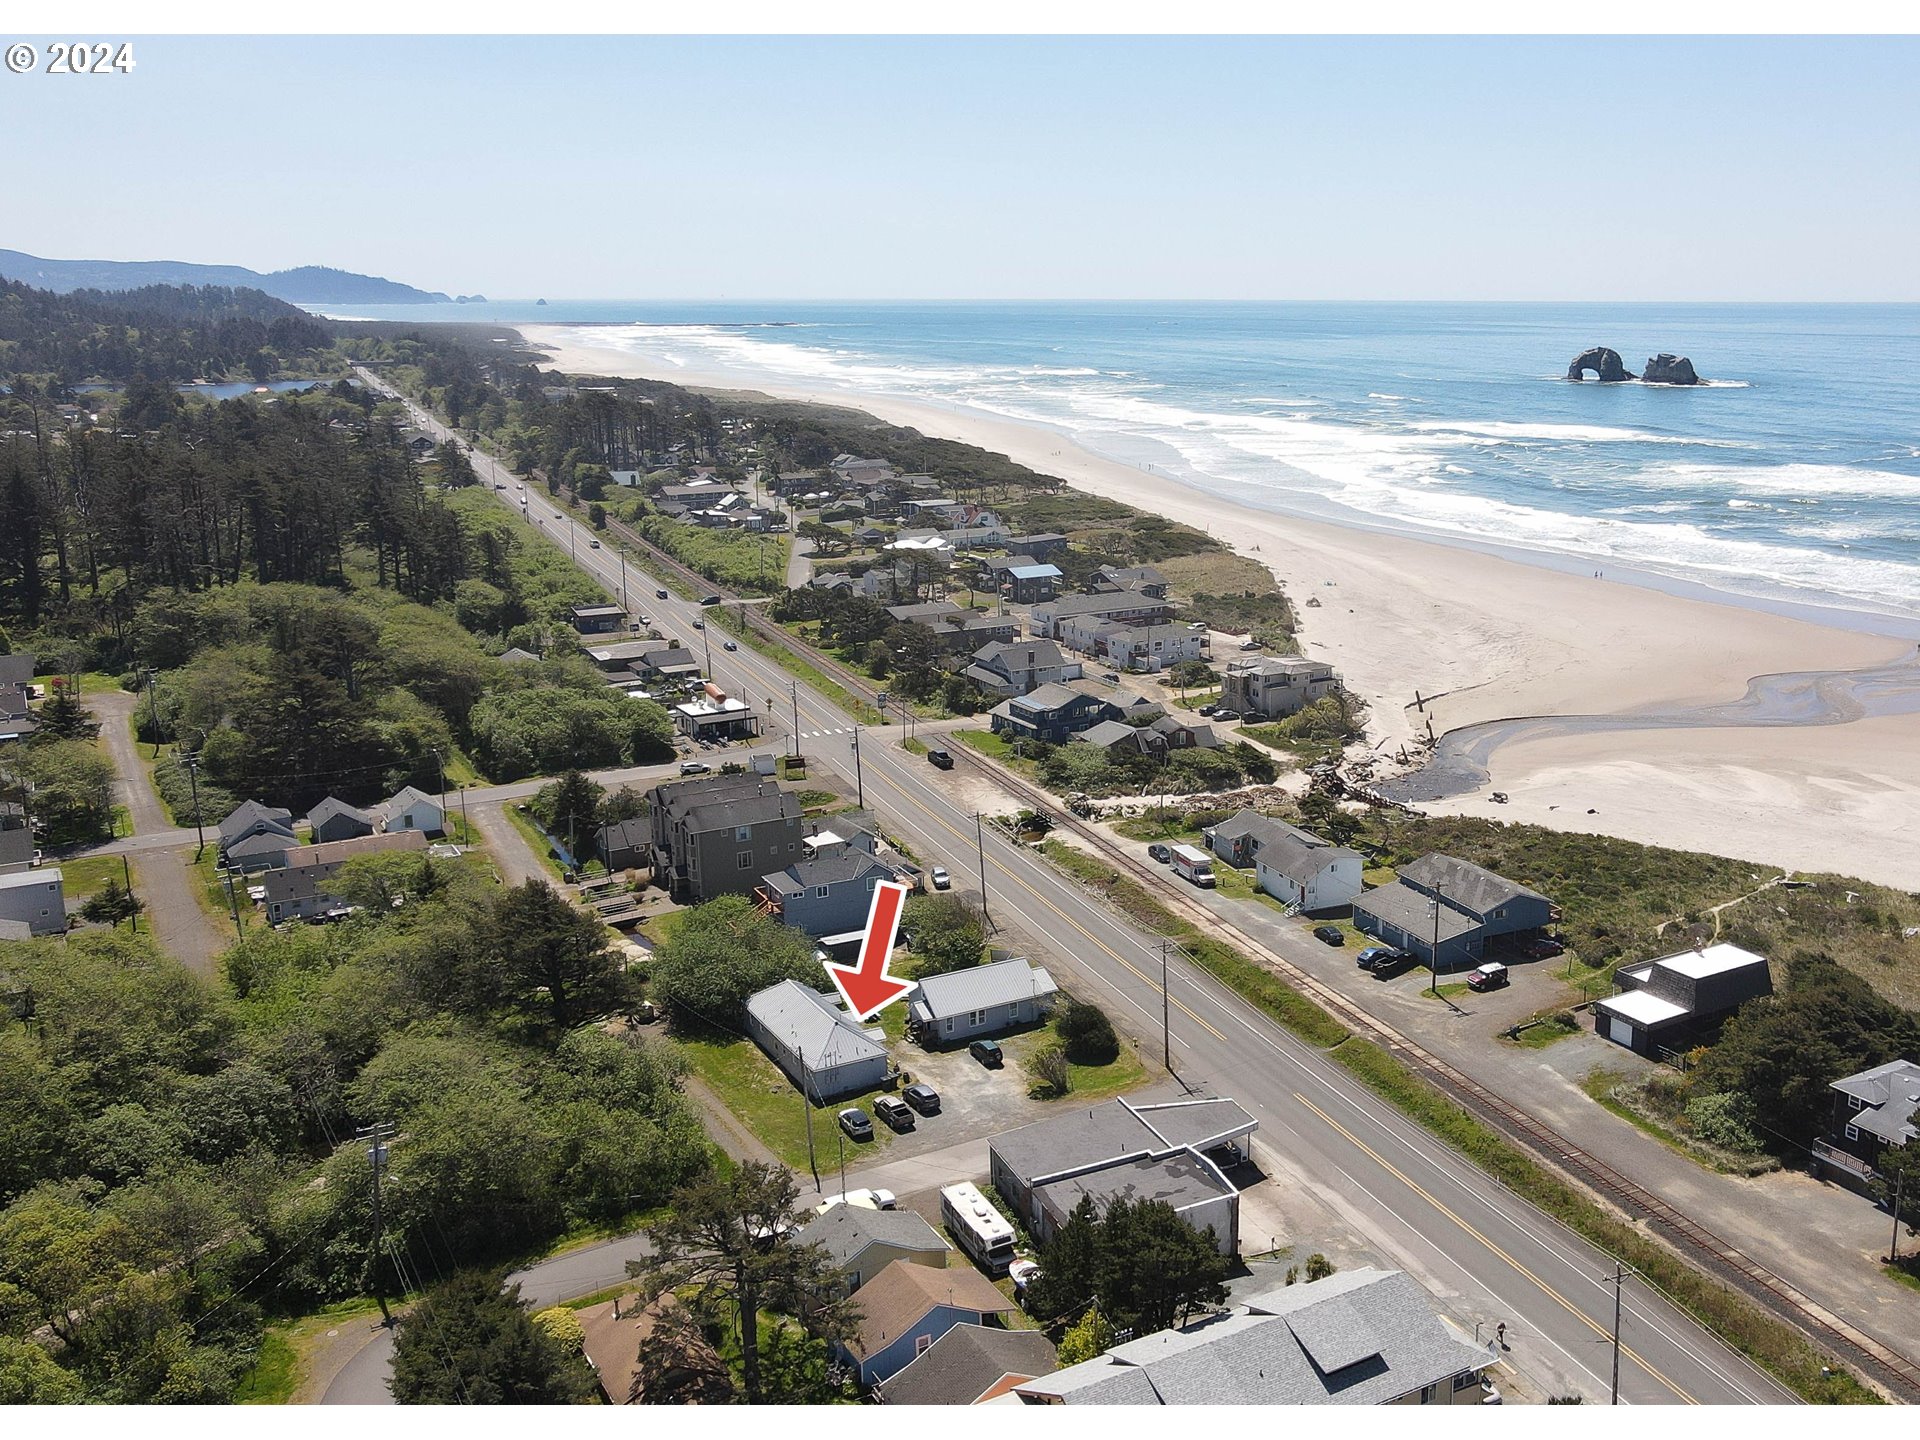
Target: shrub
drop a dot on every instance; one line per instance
(1728, 1120)
(1049, 1068)
(1087, 1035)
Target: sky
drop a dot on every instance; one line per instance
(826, 168)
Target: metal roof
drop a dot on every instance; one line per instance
(825, 1036)
(1004, 982)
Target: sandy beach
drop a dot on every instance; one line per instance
(1483, 637)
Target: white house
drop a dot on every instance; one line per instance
(33, 900)
(1294, 866)
(412, 809)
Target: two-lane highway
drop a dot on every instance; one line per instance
(1489, 1255)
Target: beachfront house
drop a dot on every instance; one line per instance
(1119, 739)
(1123, 607)
(1273, 686)
(1295, 866)
(1140, 648)
(1667, 1006)
(1874, 1111)
(1444, 911)
(1144, 578)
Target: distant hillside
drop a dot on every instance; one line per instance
(307, 285)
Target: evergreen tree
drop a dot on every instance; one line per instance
(471, 1342)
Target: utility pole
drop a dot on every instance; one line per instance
(1433, 956)
(440, 761)
(377, 1135)
(1617, 1280)
(192, 761)
(1899, 1191)
(233, 901)
(793, 689)
(980, 842)
(153, 709)
(133, 915)
(806, 1108)
(1166, 1011)
(623, 578)
(859, 784)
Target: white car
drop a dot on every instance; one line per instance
(863, 1199)
(941, 880)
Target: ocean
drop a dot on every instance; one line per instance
(1791, 477)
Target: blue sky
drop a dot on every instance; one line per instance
(979, 168)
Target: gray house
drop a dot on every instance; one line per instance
(1670, 1003)
(263, 850)
(983, 1000)
(1275, 686)
(1162, 1152)
(334, 819)
(1461, 904)
(823, 1050)
(300, 890)
(1362, 1337)
(829, 895)
(970, 1365)
(864, 1242)
(33, 900)
(248, 819)
(719, 835)
(624, 846)
(1015, 667)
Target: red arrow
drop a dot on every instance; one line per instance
(868, 987)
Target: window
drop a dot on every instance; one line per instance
(1466, 1379)
(1854, 1102)
(946, 1025)
(1853, 1132)
(1429, 1393)
(744, 861)
(920, 1344)
(742, 833)
(819, 892)
(976, 1017)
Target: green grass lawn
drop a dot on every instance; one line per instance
(211, 892)
(85, 876)
(1539, 1037)
(274, 1375)
(765, 1101)
(92, 682)
(1084, 1082)
(997, 747)
(1449, 991)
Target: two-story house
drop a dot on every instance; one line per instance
(1874, 1111)
(1140, 648)
(1051, 713)
(1671, 1003)
(720, 834)
(1294, 866)
(1015, 667)
(1443, 911)
(830, 894)
(1123, 607)
(1274, 686)
(1144, 578)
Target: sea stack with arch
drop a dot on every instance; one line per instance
(1603, 362)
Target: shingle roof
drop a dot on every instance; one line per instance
(838, 868)
(1891, 1093)
(900, 1295)
(1109, 733)
(1402, 905)
(328, 808)
(310, 867)
(965, 1363)
(249, 813)
(17, 668)
(977, 987)
(1362, 1337)
(1466, 884)
(825, 1036)
(847, 1230)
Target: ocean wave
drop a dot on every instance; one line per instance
(1801, 482)
(1378, 395)
(1541, 430)
(1457, 469)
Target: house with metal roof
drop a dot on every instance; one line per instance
(1673, 1002)
(963, 1005)
(412, 809)
(1360, 1337)
(1169, 1151)
(823, 1050)
(1295, 866)
(33, 902)
(863, 1242)
(971, 1365)
(1443, 911)
(828, 894)
(1025, 580)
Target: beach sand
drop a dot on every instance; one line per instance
(1492, 637)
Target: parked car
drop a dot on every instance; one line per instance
(1542, 947)
(731, 645)
(1375, 954)
(694, 767)
(923, 1098)
(940, 878)
(1329, 934)
(1208, 709)
(1393, 965)
(855, 1122)
(709, 599)
(860, 1199)
(1162, 853)
(1490, 976)
(894, 1111)
(1226, 714)
(987, 1052)
(940, 758)
(1196, 625)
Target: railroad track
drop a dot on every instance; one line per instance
(1898, 1376)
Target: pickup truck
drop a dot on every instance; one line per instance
(940, 759)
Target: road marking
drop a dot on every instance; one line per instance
(1477, 1234)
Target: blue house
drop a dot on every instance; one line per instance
(829, 895)
(1052, 713)
(1454, 902)
(906, 1307)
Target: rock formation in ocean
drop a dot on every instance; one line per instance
(1665, 369)
(1603, 362)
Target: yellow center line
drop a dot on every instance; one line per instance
(1437, 1204)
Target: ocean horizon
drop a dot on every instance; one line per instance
(1792, 477)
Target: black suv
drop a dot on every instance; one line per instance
(923, 1098)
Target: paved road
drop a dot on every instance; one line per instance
(1488, 1255)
